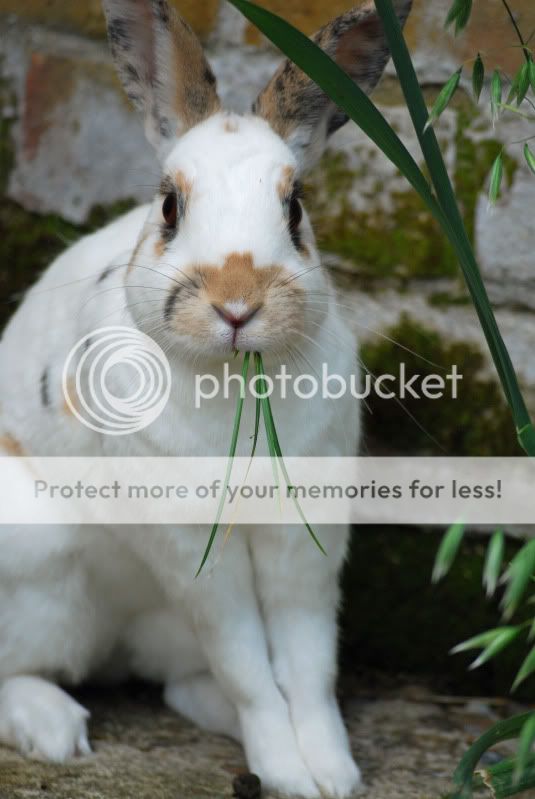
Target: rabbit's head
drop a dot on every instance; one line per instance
(227, 259)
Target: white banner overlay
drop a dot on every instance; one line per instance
(493, 491)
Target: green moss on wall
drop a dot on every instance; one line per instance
(477, 422)
(404, 242)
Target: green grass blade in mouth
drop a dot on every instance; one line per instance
(232, 453)
(275, 448)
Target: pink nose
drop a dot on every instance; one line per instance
(236, 320)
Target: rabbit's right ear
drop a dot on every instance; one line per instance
(162, 67)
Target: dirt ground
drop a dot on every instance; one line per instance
(406, 739)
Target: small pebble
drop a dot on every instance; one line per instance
(247, 786)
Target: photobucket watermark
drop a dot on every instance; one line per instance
(283, 383)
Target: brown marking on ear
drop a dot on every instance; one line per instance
(195, 96)
(357, 42)
(10, 446)
(285, 185)
(183, 184)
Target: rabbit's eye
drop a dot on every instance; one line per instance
(296, 216)
(169, 209)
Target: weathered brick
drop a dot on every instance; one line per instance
(489, 30)
(86, 17)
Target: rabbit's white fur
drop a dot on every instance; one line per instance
(249, 648)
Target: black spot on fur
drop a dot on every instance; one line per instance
(170, 303)
(118, 34)
(44, 389)
(106, 273)
(162, 12)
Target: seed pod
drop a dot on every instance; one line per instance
(523, 83)
(478, 77)
(460, 14)
(496, 179)
(495, 94)
(530, 158)
(444, 97)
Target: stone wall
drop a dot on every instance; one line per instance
(70, 142)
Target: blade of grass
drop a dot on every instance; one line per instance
(502, 731)
(274, 445)
(348, 96)
(232, 453)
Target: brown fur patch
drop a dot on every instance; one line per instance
(159, 248)
(286, 182)
(239, 280)
(183, 184)
(195, 91)
(10, 446)
(230, 126)
(73, 396)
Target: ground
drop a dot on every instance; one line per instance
(406, 739)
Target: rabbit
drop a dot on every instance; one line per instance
(223, 260)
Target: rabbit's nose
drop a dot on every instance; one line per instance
(236, 318)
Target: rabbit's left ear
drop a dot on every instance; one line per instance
(298, 110)
(162, 67)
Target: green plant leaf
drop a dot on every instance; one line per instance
(532, 75)
(527, 668)
(523, 83)
(502, 731)
(447, 551)
(518, 576)
(274, 446)
(506, 636)
(493, 562)
(478, 77)
(460, 14)
(530, 158)
(496, 175)
(232, 453)
(444, 97)
(502, 780)
(525, 744)
(496, 93)
(480, 641)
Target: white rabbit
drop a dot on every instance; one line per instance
(224, 259)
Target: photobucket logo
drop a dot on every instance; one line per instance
(116, 381)
(331, 386)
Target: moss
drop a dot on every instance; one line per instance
(404, 242)
(477, 422)
(395, 620)
(31, 241)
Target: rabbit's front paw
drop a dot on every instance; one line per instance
(41, 720)
(337, 775)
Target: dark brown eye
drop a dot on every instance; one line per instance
(169, 209)
(296, 216)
